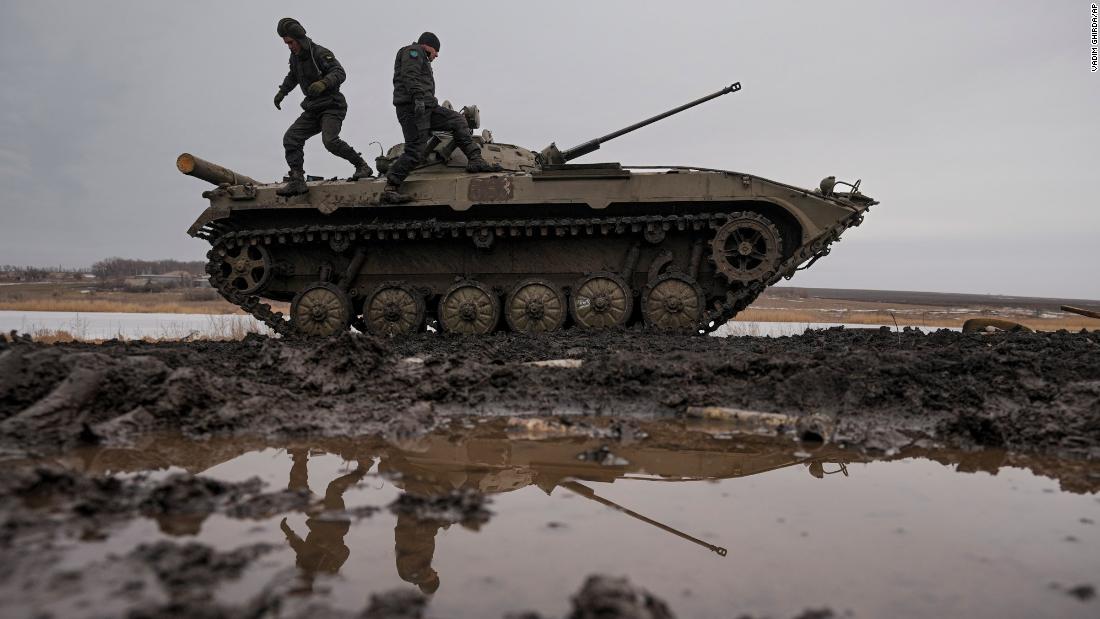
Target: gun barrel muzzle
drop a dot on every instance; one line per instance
(210, 172)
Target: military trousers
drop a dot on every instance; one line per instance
(418, 129)
(327, 122)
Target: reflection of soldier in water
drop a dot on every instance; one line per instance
(414, 545)
(323, 550)
(414, 538)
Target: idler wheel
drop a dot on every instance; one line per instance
(747, 247)
(320, 310)
(245, 269)
(535, 305)
(469, 307)
(674, 302)
(601, 301)
(394, 308)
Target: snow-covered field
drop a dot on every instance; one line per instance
(107, 325)
(102, 326)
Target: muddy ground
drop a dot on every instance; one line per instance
(872, 390)
(881, 389)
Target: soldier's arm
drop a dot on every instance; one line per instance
(331, 69)
(289, 82)
(409, 72)
(296, 542)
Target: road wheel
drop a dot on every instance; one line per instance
(394, 308)
(469, 307)
(535, 305)
(320, 310)
(673, 302)
(601, 301)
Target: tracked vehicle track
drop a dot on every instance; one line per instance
(343, 237)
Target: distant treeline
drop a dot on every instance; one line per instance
(15, 268)
(126, 267)
(27, 273)
(110, 268)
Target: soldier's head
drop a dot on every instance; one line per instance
(430, 43)
(292, 33)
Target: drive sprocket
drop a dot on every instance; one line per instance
(747, 247)
(246, 269)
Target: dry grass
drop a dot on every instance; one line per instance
(70, 297)
(51, 336)
(108, 305)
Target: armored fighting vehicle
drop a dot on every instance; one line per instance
(543, 245)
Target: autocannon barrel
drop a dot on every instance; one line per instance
(593, 145)
(210, 172)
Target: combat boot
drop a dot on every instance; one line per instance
(362, 170)
(392, 195)
(480, 165)
(295, 186)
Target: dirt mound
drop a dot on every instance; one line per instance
(338, 365)
(192, 570)
(604, 597)
(464, 505)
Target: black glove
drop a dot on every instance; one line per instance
(317, 87)
(418, 106)
(279, 96)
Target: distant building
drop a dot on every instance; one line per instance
(179, 279)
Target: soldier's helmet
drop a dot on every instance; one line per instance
(290, 27)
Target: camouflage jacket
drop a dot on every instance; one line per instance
(315, 63)
(412, 77)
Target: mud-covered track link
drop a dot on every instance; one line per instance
(745, 248)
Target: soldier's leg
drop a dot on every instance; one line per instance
(332, 121)
(306, 126)
(416, 139)
(450, 120)
(455, 123)
(294, 140)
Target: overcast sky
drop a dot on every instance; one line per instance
(976, 124)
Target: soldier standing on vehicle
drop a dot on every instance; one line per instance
(419, 113)
(316, 71)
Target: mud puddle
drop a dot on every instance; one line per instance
(489, 518)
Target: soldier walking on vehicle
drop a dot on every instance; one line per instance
(419, 113)
(316, 71)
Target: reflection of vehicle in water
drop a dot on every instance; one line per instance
(490, 460)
